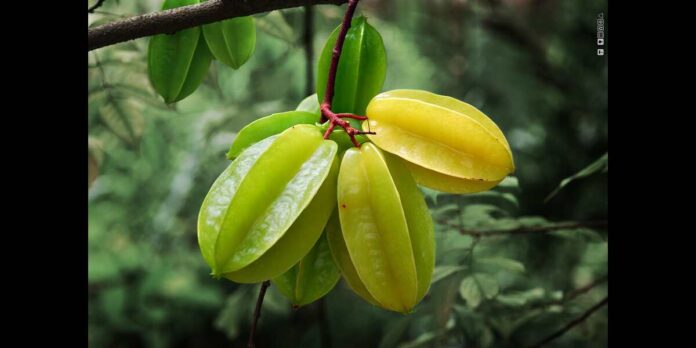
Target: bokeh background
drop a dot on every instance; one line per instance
(531, 65)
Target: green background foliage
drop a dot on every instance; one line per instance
(530, 65)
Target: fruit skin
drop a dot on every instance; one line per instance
(386, 227)
(361, 70)
(231, 41)
(339, 251)
(311, 278)
(270, 206)
(178, 63)
(449, 145)
(264, 127)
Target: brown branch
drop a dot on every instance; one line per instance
(257, 312)
(573, 323)
(173, 20)
(583, 289)
(571, 295)
(95, 6)
(530, 229)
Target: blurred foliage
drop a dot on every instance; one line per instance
(530, 65)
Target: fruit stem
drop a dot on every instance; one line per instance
(328, 96)
(326, 113)
(335, 119)
(257, 312)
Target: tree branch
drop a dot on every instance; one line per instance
(571, 295)
(95, 6)
(531, 229)
(257, 312)
(581, 290)
(573, 323)
(173, 20)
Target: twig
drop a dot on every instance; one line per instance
(336, 54)
(325, 107)
(530, 229)
(573, 323)
(257, 312)
(176, 19)
(571, 295)
(95, 6)
(583, 289)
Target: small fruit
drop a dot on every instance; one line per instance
(311, 278)
(231, 41)
(339, 251)
(177, 63)
(270, 206)
(449, 145)
(361, 70)
(386, 227)
(264, 127)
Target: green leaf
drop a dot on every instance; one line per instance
(442, 272)
(101, 268)
(512, 300)
(426, 339)
(236, 310)
(502, 263)
(95, 155)
(601, 164)
(274, 24)
(310, 104)
(495, 196)
(311, 278)
(275, 302)
(177, 63)
(443, 210)
(124, 118)
(509, 182)
(113, 301)
(521, 298)
(421, 340)
(235, 84)
(470, 292)
(361, 69)
(231, 41)
(482, 216)
(395, 332)
(431, 194)
(488, 284)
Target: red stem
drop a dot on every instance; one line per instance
(328, 96)
(326, 113)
